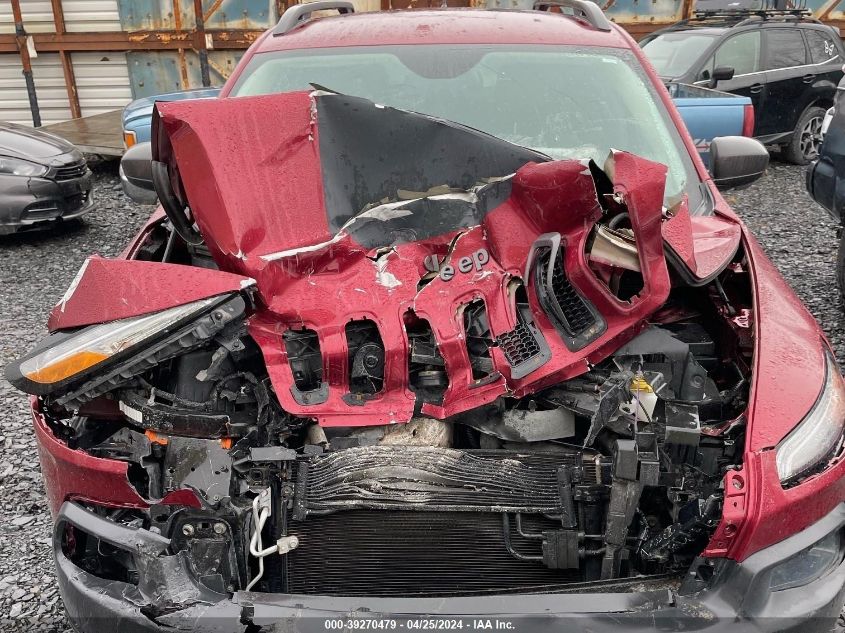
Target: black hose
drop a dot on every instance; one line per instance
(616, 220)
(174, 209)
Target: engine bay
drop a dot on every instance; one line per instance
(613, 475)
(512, 375)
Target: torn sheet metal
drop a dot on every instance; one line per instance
(73, 474)
(111, 289)
(703, 245)
(322, 213)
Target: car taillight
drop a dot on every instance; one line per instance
(748, 121)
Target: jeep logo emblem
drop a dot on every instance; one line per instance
(464, 265)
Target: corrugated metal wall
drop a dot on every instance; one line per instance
(110, 80)
(91, 15)
(37, 14)
(148, 15)
(102, 80)
(80, 16)
(52, 97)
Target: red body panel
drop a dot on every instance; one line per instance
(436, 27)
(111, 289)
(273, 199)
(789, 371)
(788, 361)
(309, 278)
(74, 474)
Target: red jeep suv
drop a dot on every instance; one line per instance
(442, 324)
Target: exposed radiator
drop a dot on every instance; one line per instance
(403, 521)
(431, 479)
(408, 553)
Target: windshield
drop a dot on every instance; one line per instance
(673, 54)
(562, 101)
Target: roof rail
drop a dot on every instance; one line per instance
(738, 10)
(301, 13)
(585, 10)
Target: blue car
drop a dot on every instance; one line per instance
(137, 123)
(710, 113)
(138, 115)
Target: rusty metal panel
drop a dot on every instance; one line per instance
(152, 73)
(827, 9)
(634, 13)
(149, 15)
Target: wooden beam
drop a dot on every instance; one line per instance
(26, 63)
(214, 6)
(67, 62)
(200, 45)
(114, 41)
(222, 39)
(70, 85)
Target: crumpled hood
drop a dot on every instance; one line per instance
(346, 211)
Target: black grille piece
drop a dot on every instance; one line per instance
(365, 553)
(519, 345)
(524, 347)
(430, 479)
(575, 311)
(69, 172)
(478, 342)
(306, 364)
(42, 211)
(575, 318)
(75, 202)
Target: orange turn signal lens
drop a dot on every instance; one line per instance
(129, 138)
(66, 367)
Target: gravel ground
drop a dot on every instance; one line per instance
(36, 268)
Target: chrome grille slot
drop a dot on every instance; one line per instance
(69, 172)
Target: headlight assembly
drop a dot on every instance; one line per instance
(20, 167)
(818, 436)
(76, 363)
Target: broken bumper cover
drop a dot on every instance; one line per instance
(30, 202)
(169, 597)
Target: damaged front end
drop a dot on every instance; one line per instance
(463, 370)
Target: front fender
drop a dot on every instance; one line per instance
(110, 289)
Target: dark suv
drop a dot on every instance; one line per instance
(788, 63)
(825, 181)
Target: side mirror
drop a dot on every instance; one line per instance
(737, 161)
(136, 174)
(721, 73)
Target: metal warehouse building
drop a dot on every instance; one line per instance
(93, 56)
(87, 57)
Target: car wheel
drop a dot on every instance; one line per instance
(806, 140)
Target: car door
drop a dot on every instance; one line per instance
(825, 69)
(785, 62)
(742, 52)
